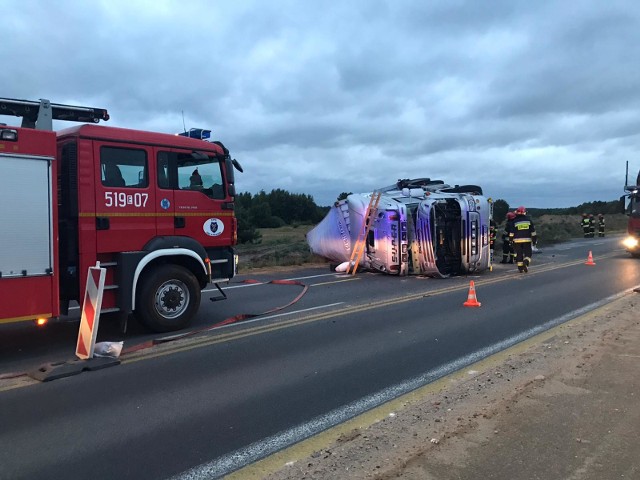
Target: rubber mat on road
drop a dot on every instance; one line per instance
(53, 371)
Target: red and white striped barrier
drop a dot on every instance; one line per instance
(90, 312)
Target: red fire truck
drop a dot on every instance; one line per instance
(156, 210)
(632, 240)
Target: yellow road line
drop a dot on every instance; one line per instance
(176, 347)
(335, 281)
(162, 350)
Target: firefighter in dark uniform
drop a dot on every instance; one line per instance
(585, 225)
(601, 225)
(508, 255)
(592, 226)
(523, 235)
(492, 237)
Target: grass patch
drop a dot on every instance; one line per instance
(280, 247)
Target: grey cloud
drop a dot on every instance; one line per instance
(322, 97)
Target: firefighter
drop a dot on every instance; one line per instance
(507, 246)
(601, 225)
(592, 226)
(585, 225)
(523, 235)
(492, 237)
(195, 180)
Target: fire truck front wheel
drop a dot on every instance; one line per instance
(169, 298)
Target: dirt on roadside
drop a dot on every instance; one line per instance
(563, 406)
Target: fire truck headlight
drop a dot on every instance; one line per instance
(630, 242)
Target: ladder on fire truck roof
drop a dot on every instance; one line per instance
(363, 234)
(40, 114)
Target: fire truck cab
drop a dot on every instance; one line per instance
(632, 241)
(156, 210)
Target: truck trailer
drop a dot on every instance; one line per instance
(420, 227)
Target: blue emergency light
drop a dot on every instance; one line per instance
(198, 133)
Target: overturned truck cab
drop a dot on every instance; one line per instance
(420, 227)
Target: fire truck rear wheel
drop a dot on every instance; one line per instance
(169, 298)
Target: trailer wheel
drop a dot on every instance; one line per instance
(168, 298)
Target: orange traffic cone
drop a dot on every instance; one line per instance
(472, 301)
(590, 260)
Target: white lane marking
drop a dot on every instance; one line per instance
(252, 284)
(259, 319)
(264, 283)
(234, 286)
(316, 276)
(263, 448)
(214, 289)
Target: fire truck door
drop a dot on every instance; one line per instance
(125, 197)
(165, 205)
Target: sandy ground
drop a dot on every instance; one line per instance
(561, 406)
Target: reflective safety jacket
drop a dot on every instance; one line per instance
(507, 228)
(522, 230)
(585, 222)
(492, 233)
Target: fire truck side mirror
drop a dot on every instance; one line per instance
(237, 165)
(230, 165)
(623, 208)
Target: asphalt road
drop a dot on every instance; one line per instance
(207, 405)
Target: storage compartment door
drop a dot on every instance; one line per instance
(26, 229)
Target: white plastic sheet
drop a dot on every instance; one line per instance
(330, 238)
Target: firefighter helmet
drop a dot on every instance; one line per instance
(584, 215)
(511, 215)
(521, 211)
(600, 215)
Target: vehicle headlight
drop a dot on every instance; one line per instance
(630, 242)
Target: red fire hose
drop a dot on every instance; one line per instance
(228, 321)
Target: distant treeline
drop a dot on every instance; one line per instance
(274, 209)
(501, 207)
(595, 208)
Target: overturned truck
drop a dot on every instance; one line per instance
(420, 227)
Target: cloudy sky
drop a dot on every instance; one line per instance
(537, 102)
